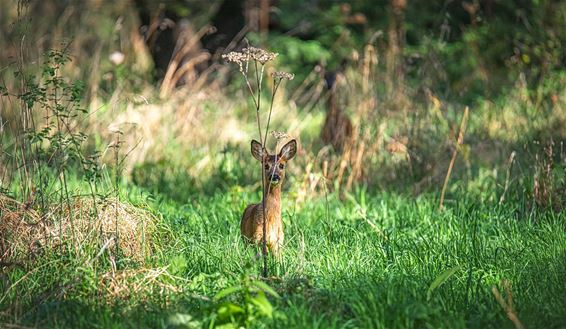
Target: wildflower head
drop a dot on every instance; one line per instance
(280, 75)
(236, 57)
(279, 135)
(260, 55)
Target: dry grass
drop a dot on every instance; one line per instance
(187, 56)
(135, 283)
(24, 232)
(346, 163)
(149, 129)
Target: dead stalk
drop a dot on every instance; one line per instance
(357, 166)
(507, 176)
(507, 305)
(454, 154)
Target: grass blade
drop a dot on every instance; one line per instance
(443, 277)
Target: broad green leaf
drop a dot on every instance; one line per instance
(177, 265)
(227, 291)
(185, 320)
(227, 326)
(229, 310)
(264, 287)
(263, 304)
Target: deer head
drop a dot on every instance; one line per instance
(274, 165)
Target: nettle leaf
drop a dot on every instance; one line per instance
(263, 305)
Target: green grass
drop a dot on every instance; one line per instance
(364, 262)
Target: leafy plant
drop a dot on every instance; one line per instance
(242, 304)
(182, 320)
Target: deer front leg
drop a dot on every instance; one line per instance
(275, 249)
(276, 243)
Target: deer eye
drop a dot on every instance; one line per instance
(281, 166)
(267, 166)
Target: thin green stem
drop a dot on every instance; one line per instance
(263, 187)
(245, 74)
(273, 93)
(258, 104)
(117, 185)
(250, 89)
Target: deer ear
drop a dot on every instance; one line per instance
(257, 150)
(288, 150)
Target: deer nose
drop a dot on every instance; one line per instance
(275, 178)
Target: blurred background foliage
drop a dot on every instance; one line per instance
(479, 47)
(398, 72)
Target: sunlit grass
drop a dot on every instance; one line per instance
(367, 261)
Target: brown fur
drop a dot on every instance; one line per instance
(251, 225)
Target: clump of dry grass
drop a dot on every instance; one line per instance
(109, 224)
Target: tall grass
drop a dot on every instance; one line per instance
(371, 262)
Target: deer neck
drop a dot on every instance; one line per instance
(273, 202)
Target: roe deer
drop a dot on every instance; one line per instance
(337, 129)
(251, 226)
